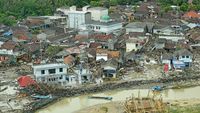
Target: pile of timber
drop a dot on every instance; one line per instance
(144, 105)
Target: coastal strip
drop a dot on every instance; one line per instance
(183, 81)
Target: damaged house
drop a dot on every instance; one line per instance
(180, 59)
(110, 68)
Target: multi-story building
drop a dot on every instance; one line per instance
(53, 74)
(78, 18)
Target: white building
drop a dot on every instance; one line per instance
(98, 12)
(170, 33)
(105, 25)
(78, 18)
(53, 74)
(101, 56)
(102, 27)
(7, 52)
(75, 17)
(133, 44)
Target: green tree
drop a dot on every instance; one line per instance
(113, 2)
(193, 7)
(184, 7)
(167, 8)
(52, 50)
(94, 3)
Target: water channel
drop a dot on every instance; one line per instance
(69, 105)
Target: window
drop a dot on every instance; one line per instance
(61, 77)
(183, 56)
(61, 70)
(42, 71)
(97, 27)
(187, 56)
(52, 71)
(67, 78)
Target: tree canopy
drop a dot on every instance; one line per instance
(184, 5)
(22, 8)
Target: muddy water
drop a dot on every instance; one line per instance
(69, 105)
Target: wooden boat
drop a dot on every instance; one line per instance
(1, 90)
(41, 96)
(97, 97)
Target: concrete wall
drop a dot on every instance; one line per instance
(37, 69)
(128, 30)
(185, 58)
(131, 46)
(173, 38)
(102, 56)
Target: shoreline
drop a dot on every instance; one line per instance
(134, 84)
(117, 106)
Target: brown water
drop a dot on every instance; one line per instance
(69, 105)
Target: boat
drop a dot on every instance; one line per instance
(42, 96)
(3, 89)
(97, 97)
(156, 88)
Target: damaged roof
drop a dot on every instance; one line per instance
(183, 52)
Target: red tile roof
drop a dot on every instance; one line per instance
(111, 54)
(191, 14)
(73, 50)
(22, 37)
(69, 59)
(102, 37)
(9, 45)
(94, 45)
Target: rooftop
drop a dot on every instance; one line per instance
(103, 23)
(43, 66)
(181, 52)
(191, 14)
(139, 25)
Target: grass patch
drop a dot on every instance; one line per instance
(185, 109)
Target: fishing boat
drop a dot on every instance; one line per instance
(41, 96)
(97, 97)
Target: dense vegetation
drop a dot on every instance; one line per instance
(184, 5)
(12, 10)
(185, 109)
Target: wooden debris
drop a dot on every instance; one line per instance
(144, 105)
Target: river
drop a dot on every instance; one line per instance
(69, 105)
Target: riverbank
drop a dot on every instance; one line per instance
(135, 84)
(174, 106)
